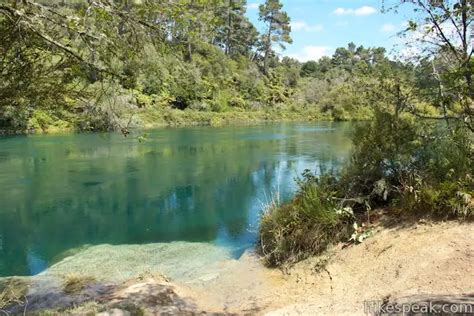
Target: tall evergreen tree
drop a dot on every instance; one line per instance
(236, 34)
(278, 28)
(235, 13)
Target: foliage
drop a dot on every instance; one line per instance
(173, 117)
(444, 50)
(306, 226)
(90, 66)
(278, 28)
(406, 159)
(418, 168)
(423, 166)
(340, 85)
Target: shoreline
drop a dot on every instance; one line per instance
(148, 119)
(406, 262)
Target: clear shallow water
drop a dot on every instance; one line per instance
(206, 185)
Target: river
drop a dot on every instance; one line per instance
(60, 194)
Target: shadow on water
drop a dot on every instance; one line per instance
(192, 184)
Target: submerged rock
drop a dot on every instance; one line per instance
(181, 261)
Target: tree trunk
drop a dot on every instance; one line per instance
(229, 27)
(268, 47)
(189, 51)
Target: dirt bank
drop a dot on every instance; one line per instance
(397, 264)
(400, 263)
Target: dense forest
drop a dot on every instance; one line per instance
(113, 65)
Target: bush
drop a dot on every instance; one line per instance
(306, 225)
(41, 120)
(425, 166)
(419, 168)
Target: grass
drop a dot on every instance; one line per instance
(12, 291)
(303, 227)
(75, 283)
(153, 117)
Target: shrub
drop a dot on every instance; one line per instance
(305, 226)
(425, 166)
(421, 168)
(42, 120)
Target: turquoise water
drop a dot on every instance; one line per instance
(62, 192)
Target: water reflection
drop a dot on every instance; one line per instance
(195, 184)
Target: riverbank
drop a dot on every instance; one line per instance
(167, 117)
(402, 262)
(151, 118)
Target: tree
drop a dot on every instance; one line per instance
(236, 34)
(245, 39)
(292, 70)
(235, 15)
(60, 50)
(443, 35)
(309, 69)
(278, 28)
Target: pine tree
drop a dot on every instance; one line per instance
(278, 28)
(236, 34)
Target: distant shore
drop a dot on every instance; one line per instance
(153, 118)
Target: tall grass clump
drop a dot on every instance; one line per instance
(75, 283)
(13, 291)
(305, 226)
(413, 168)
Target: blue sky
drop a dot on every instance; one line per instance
(320, 26)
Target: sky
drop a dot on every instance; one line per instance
(321, 26)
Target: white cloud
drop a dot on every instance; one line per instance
(303, 26)
(312, 53)
(253, 6)
(362, 11)
(388, 28)
(365, 10)
(342, 11)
